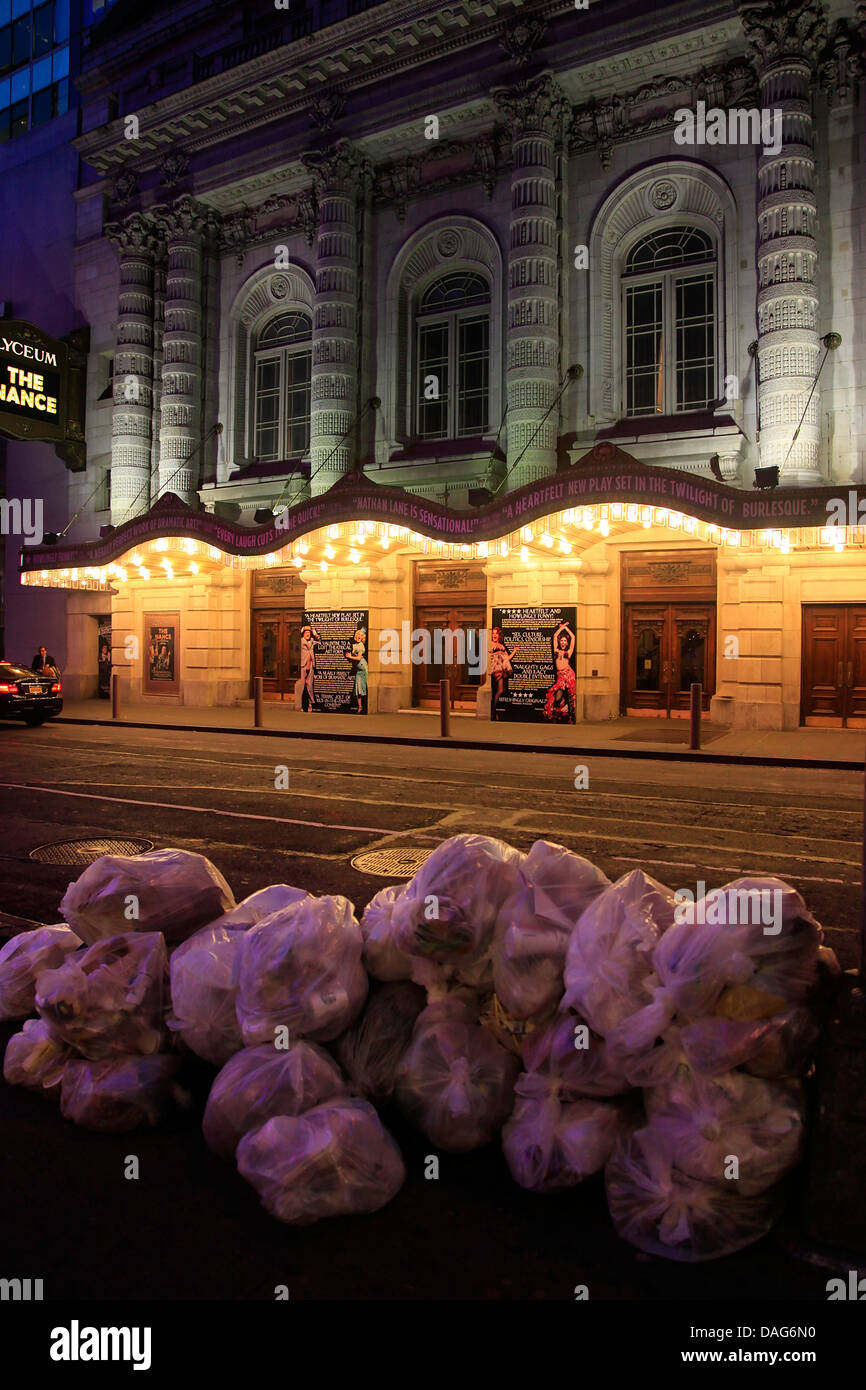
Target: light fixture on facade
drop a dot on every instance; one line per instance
(355, 556)
(604, 526)
(330, 552)
(503, 549)
(547, 540)
(193, 567)
(385, 542)
(524, 555)
(324, 566)
(565, 547)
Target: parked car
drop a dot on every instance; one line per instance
(28, 696)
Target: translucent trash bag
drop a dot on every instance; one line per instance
(203, 993)
(35, 1058)
(108, 1001)
(172, 891)
(371, 1050)
(116, 1096)
(261, 1082)
(550, 1143)
(23, 959)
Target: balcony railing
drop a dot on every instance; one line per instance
(247, 49)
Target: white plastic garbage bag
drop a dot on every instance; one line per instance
(108, 1000)
(382, 958)
(661, 1210)
(119, 1095)
(301, 968)
(734, 1130)
(584, 1062)
(261, 904)
(777, 1046)
(448, 910)
(24, 959)
(203, 992)
(554, 887)
(261, 1082)
(371, 1050)
(550, 1143)
(168, 890)
(745, 951)
(455, 1082)
(35, 1058)
(609, 974)
(335, 1160)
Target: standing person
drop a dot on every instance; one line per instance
(310, 639)
(44, 664)
(358, 654)
(500, 669)
(559, 705)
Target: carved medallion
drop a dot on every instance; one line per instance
(448, 243)
(663, 194)
(278, 287)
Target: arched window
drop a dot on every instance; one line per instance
(282, 365)
(669, 321)
(452, 320)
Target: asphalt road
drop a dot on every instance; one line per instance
(190, 1228)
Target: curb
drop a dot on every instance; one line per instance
(482, 745)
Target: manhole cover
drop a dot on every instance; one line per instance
(85, 851)
(393, 863)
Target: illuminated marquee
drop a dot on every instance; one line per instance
(33, 383)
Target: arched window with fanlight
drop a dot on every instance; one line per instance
(669, 289)
(282, 366)
(453, 357)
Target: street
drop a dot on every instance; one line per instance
(190, 1227)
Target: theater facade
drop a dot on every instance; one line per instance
(430, 320)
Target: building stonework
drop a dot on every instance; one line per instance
(527, 175)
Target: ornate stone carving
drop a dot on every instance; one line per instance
(326, 107)
(237, 232)
(125, 186)
(451, 579)
(448, 243)
(173, 167)
(783, 29)
(663, 195)
(136, 234)
(538, 106)
(278, 287)
(521, 38)
(668, 571)
(339, 168)
(186, 216)
(843, 61)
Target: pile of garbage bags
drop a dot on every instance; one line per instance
(589, 1027)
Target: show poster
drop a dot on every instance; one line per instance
(334, 647)
(533, 665)
(104, 657)
(161, 653)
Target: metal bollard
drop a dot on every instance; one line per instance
(696, 695)
(863, 896)
(445, 709)
(115, 695)
(258, 701)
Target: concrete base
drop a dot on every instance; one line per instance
(482, 704)
(387, 699)
(598, 709)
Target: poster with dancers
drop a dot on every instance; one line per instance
(334, 647)
(533, 666)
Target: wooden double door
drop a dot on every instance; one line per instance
(834, 665)
(666, 647)
(455, 636)
(276, 648)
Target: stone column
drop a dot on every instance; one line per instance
(181, 405)
(537, 111)
(159, 266)
(785, 41)
(339, 175)
(135, 239)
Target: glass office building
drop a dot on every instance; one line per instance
(39, 46)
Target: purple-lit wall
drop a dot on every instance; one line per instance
(38, 176)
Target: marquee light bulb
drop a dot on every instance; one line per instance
(524, 554)
(324, 566)
(330, 552)
(354, 556)
(503, 549)
(604, 527)
(193, 568)
(385, 542)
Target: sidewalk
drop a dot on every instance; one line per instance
(646, 738)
